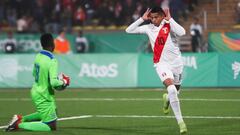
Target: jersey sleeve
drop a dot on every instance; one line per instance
(135, 28)
(176, 28)
(53, 73)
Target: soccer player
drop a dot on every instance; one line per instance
(46, 80)
(162, 33)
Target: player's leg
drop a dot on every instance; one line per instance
(17, 119)
(47, 112)
(34, 126)
(175, 104)
(16, 123)
(31, 117)
(39, 126)
(177, 75)
(173, 98)
(49, 115)
(160, 68)
(48, 121)
(167, 78)
(166, 102)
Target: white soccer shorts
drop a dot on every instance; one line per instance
(165, 71)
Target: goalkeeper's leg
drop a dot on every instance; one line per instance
(17, 123)
(38, 126)
(32, 117)
(17, 119)
(27, 123)
(34, 126)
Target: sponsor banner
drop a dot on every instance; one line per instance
(16, 70)
(95, 71)
(200, 70)
(100, 70)
(230, 69)
(125, 70)
(147, 75)
(224, 42)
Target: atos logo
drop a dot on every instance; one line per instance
(99, 71)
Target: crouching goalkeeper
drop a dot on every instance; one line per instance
(45, 72)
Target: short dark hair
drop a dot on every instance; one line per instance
(157, 9)
(47, 40)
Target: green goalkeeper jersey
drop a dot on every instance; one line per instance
(45, 72)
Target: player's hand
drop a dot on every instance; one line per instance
(66, 80)
(167, 13)
(145, 16)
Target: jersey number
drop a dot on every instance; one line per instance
(37, 68)
(161, 40)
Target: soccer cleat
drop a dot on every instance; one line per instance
(166, 104)
(13, 124)
(182, 127)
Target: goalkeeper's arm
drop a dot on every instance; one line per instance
(53, 73)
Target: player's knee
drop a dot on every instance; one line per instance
(172, 93)
(168, 82)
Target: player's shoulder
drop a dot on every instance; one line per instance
(151, 28)
(148, 26)
(47, 54)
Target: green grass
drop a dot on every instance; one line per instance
(70, 103)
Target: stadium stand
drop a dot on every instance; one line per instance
(103, 16)
(224, 21)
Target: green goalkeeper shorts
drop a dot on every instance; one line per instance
(46, 108)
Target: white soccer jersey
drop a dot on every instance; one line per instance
(169, 51)
(166, 53)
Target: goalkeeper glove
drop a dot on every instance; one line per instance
(66, 80)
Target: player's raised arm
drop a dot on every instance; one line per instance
(175, 27)
(135, 28)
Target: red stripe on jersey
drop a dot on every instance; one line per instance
(160, 42)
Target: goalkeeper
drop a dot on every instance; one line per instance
(45, 73)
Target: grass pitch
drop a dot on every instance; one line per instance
(131, 111)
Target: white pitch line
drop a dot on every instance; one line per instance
(214, 100)
(125, 99)
(1, 127)
(142, 116)
(157, 116)
(62, 119)
(75, 117)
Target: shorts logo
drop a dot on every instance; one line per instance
(164, 74)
